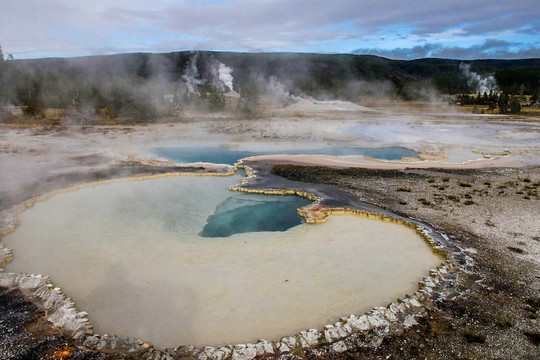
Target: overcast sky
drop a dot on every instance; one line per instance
(399, 29)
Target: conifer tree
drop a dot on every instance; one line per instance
(503, 103)
(515, 106)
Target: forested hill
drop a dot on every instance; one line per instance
(147, 86)
(312, 74)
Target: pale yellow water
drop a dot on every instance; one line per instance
(130, 256)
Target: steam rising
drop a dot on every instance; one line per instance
(225, 76)
(220, 75)
(274, 87)
(483, 84)
(140, 87)
(191, 75)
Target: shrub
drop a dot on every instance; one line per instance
(504, 322)
(515, 106)
(403, 189)
(474, 336)
(31, 99)
(516, 250)
(211, 96)
(249, 99)
(534, 337)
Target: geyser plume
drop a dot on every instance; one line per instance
(191, 75)
(225, 75)
(483, 84)
(213, 72)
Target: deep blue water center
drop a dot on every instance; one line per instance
(224, 155)
(242, 213)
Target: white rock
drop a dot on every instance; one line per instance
(309, 338)
(331, 334)
(290, 341)
(347, 328)
(208, 352)
(343, 331)
(409, 321)
(397, 308)
(377, 320)
(414, 302)
(359, 323)
(282, 347)
(339, 347)
(244, 352)
(222, 353)
(264, 347)
(390, 316)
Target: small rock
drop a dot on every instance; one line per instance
(339, 347)
(309, 338)
(244, 352)
(264, 347)
(359, 323)
(409, 321)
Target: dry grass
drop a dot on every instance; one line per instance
(54, 117)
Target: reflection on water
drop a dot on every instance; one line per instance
(223, 155)
(130, 255)
(243, 213)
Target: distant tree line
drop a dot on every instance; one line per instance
(522, 81)
(148, 86)
(84, 94)
(502, 102)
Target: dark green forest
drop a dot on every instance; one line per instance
(142, 85)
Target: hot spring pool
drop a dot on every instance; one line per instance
(136, 257)
(226, 155)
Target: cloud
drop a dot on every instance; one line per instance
(495, 44)
(415, 52)
(75, 27)
(490, 48)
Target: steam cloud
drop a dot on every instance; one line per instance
(483, 84)
(221, 75)
(225, 75)
(274, 87)
(191, 75)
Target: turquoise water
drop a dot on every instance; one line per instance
(244, 213)
(223, 155)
